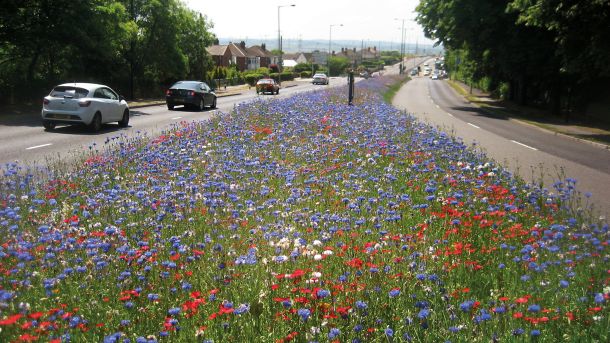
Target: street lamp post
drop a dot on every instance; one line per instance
(402, 42)
(330, 37)
(279, 39)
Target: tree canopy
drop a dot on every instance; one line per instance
(547, 51)
(135, 46)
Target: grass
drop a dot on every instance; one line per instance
(393, 88)
(299, 219)
(593, 131)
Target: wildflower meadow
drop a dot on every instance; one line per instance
(299, 219)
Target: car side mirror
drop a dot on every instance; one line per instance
(121, 98)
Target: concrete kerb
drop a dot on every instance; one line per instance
(162, 102)
(525, 122)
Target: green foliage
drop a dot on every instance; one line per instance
(302, 67)
(337, 65)
(543, 49)
(287, 76)
(305, 74)
(43, 43)
(252, 78)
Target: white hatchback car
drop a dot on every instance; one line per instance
(84, 103)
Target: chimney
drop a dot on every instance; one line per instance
(374, 48)
(264, 47)
(242, 44)
(354, 49)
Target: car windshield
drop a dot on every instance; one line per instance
(265, 81)
(69, 91)
(186, 85)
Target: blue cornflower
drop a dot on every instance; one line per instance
(518, 332)
(113, 338)
(394, 293)
(174, 311)
(534, 308)
(466, 305)
(564, 284)
(241, 309)
(361, 305)
(322, 293)
(535, 333)
(599, 298)
(334, 332)
(389, 332)
(423, 314)
(304, 313)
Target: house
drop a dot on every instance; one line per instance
(257, 57)
(370, 53)
(230, 54)
(351, 54)
(245, 58)
(299, 57)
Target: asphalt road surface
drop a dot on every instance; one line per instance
(525, 150)
(23, 138)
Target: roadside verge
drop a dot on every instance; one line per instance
(594, 133)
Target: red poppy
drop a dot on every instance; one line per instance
(11, 320)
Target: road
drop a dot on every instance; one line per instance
(23, 139)
(528, 151)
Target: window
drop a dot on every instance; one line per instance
(68, 91)
(110, 94)
(99, 93)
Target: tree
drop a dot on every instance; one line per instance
(337, 65)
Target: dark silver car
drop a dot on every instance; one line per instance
(190, 94)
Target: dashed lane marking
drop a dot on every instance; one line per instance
(474, 126)
(525, 145)
(38, 146)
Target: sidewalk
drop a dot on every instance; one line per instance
(594, 132)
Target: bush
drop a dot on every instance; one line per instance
(287, 76)
(305, 74)
(275, 76)
(301, 67)
(252, 78)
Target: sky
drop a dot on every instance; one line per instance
(365, 20)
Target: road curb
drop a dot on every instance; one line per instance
(159, 103)
(523, 122)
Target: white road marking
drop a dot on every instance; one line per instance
(38, 146)
(525, 145)
(474, 126)
(449, 114)
(177, 118)
(437, 106)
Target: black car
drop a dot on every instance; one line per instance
(190, 93)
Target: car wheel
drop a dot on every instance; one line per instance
(213, 103)
(96, 123)
(170, 106)
(48, 125)
(201, 105)
(277, 91)
(125, 120)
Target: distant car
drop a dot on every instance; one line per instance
(190, 94)
(267, 86)
(84, 103)
(434, 77)
(365, 74)
(414, 72)
(320, 79)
